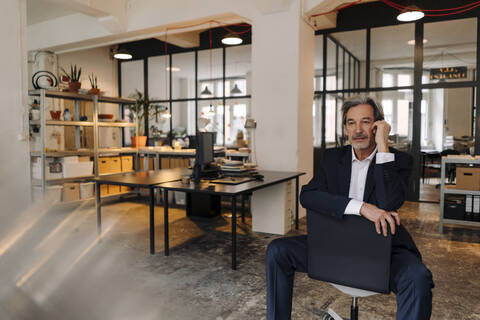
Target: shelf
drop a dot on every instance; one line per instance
(108, 174)
(116, 100)
(465, 160)
(462, 222)
(62, 95)
(457, 191)
(69, 123)
(116, 124)
(37, 182)
(117, 150)
(62, 153)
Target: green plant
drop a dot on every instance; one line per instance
(93, 81)
(74, 75)
(141, 109)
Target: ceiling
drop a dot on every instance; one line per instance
(40, 11)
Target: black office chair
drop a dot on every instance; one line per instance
(349, 254)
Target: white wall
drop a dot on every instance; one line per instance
(14, 155)
(98, 61)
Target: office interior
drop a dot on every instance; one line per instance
(297, 63)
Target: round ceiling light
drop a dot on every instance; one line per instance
(411, 13)
(231, 39)
(412, 42)
(174, 69)
(122, 54)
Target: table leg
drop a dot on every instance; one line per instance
(165, 221)
(234, 232)
(98, 204)
(152, 222)
(243, 207)
(296, 202)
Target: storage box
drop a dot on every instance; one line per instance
(127, 163)
(77, 169)
(53, 169)
(87, 190)
(52, 193)
(84, 159)
(125, 189)
(109, 165)
(71, 192)
(113, 189)
(180, 198)
(103, 190)
(468, 178)
(71, 159)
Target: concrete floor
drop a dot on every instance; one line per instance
(53, 266)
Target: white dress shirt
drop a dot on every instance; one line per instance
(358, 178)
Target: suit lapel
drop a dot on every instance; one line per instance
(370, 183)
(345, 171)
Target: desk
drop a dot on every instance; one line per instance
(144, 179)
(270, 178)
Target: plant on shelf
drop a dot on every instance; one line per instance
(73, 78)
(142, 110)
(94, 84)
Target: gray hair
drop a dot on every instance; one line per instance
(358, 100)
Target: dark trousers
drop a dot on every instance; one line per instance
(410, 280)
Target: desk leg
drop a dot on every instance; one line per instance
(296, 203)
(234, 232)
(165, 220)
(152, 222)
(98, 204)
(244, 197)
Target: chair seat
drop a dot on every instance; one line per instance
(354, 292)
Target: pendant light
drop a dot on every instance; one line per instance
(232, 39)
(211, 112)
(122, 54)
(235, 90)
(206, 91)
(411, 13)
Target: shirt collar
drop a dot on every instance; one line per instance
(369, 158)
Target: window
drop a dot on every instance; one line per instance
(402, 117)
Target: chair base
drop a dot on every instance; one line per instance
(332, 315)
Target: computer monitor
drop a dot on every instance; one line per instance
(203, 155)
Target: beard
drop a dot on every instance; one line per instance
(361, 145)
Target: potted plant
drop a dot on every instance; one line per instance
(93, 83)
(142, 110)
(73, 78)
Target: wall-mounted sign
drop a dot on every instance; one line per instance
(448, 73)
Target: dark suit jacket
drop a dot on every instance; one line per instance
(386, 187)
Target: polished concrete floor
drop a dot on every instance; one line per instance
(53, 266)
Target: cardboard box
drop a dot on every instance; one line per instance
(84, 159)
(127, 163)
(113, 189)
(468, 178)
(87, 190)
(125, 189)
(71, 192)
(53, 193)
(109, 165)
(103, 190)
(77, 169)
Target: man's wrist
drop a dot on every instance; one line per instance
(382, 147)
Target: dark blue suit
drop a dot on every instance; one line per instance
(327, 192)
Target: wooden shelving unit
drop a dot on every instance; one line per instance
(95, 152)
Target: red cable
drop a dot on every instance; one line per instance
(402, 8)
(432, 10)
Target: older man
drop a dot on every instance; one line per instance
(369, 179)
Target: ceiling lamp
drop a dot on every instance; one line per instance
(235, 90)
(211, 112)
(206, 91)
(174, 69)
(411, 13)
(122, 54)
(231, 39)
(412, 42)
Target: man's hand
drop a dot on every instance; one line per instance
(380, 217)
(381, 129)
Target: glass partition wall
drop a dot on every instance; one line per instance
(424, 76)
(198, 90)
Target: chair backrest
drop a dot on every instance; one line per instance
(348, 252)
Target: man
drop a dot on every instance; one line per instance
(369, 179)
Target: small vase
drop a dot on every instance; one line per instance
(94, 91)
(74, 86)
(140, 140)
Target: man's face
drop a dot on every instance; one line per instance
(359, 126)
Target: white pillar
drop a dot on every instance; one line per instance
(14, 154)
(282, 92)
